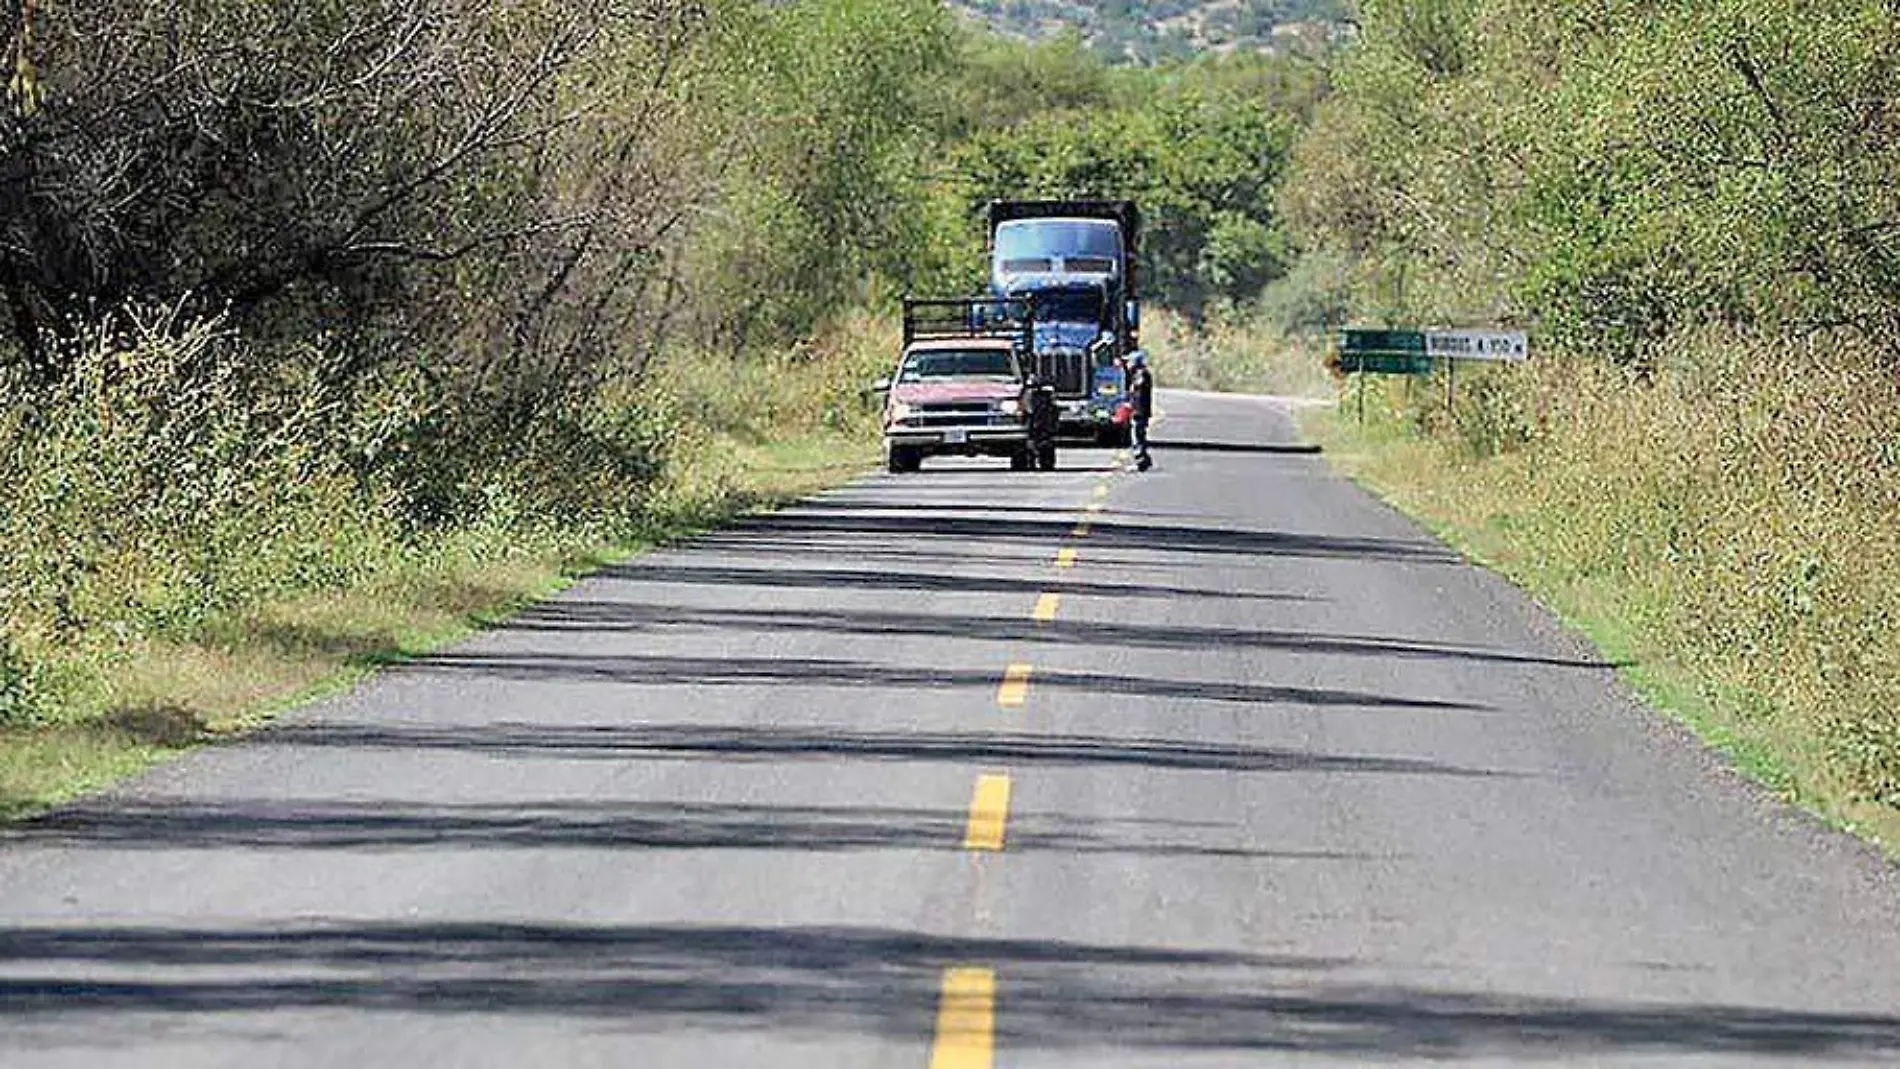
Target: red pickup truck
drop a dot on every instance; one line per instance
(960, 389)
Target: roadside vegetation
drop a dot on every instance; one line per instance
(1695, 209)
(331, 330)
(334, 329)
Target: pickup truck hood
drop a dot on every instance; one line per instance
(938, 393)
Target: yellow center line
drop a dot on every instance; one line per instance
(1015, 686)
(1046, 606)
(1081, 530)
(1065, 558)
(966, 1020)
(1095, 506)
(989, 813)
(1101, 490)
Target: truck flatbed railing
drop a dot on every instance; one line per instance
(934, 319)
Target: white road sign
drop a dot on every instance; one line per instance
(1508, 345)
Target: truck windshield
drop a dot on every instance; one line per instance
(941, 364)
(1040, 239)
(1069, 306)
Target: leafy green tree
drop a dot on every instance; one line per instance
(1200, 147)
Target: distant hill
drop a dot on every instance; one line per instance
(1144, 31)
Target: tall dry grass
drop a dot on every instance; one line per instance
(1235, 352)
(185, 538)
(1733, 517)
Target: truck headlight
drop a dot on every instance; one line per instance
(1010, 407)
(899, 412)
(1108, 389)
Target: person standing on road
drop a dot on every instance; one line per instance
(1141, 401)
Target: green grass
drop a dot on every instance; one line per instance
(240, 670)
(179, 571)
(1679, 559)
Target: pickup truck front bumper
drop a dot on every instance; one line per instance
(984, 439)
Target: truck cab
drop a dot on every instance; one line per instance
(1075, 262)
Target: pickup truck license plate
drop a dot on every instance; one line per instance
(955, 436)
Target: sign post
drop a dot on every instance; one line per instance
(1381, 352)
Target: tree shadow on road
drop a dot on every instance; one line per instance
(754, 742)
(574, 824)
(779, 672)
(578, 615)
(795, 578)
(1054, 994)
(838, 531)
(1301, 449)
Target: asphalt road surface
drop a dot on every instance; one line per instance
(1224, 764)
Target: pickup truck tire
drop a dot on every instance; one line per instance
(1023, 459)
(903, 459)
(1046, 457)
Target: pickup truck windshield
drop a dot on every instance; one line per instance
(942, 364)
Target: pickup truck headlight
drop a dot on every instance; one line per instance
(1010, 407)
(899, 412)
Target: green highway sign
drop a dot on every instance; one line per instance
(1382, 341)
(1385, 363)
(1415, 352)
(1384, 352)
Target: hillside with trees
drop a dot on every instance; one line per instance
(1151, 31)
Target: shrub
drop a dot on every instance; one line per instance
(16, 684)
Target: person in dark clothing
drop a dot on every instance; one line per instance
(1141, 401)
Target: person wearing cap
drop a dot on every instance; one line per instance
(1141, 401)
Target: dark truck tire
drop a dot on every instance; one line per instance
(1046, 457)
(1023, 459)
(903, 459)
(1115, 437)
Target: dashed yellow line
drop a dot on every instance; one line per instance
(966, 1020)
(1015, 686)
(1096, 506)
(1065, 557)
(1081, 530)
(1046, 606)
(989, 813)
(1101, 491)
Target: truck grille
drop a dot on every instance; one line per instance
(1068, 372)
(957, 414)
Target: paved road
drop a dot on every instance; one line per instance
(1223, 764)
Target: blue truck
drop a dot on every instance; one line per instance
(1076, 261)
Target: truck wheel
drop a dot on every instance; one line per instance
(1046, 457)
(1022, 460)
(903, 459)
